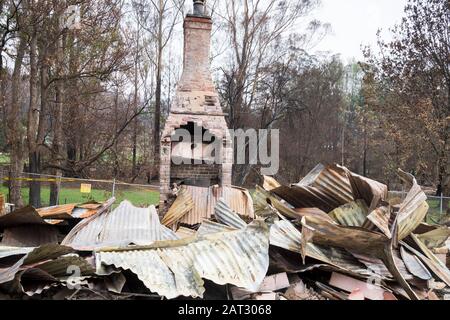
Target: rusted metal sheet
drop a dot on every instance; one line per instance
(414, 265)
(57, 212)
(209, 227)
(125, 225)
(42, 253)
(285, 235)
(205, 200)
(413, 209)
(431, 261)
(367, 189)
(174, 268)
(270, 183)
(324, 187)
(25, 216)
(30, 235)
(204, 203)
(181, 206)
(354, 239)
(263, 198)
(435, 238)
(352, 214)
(225, 215)
(239, 200)
(184, 232)
(380, 217)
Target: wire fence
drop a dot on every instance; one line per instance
(439, 207)
(75, 190)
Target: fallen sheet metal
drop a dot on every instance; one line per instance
(270, 183)
(435, 238)
(354, 239)
(430, 260)
(181, 206)
(30, 235)
(324, 187)
(285, 235)
(125, 225)
(24, 216)
(209, 227)
(380, 217)
(42, 253)
(225, 215)
(413, 209)
(205, 200)
(57, 212)
(352, 214)
(264, 198)
(367, 189)
(175, 268)
(184, 232)
(414, 265)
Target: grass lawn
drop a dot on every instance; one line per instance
(138, 197)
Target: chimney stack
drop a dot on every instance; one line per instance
(199, 7)
(196, 105)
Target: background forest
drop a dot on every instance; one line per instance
(85, 87)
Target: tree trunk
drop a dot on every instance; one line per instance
(15, 133)
(57, 145)
(157, 119)
(32, 128)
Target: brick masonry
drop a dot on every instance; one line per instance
(196, 100)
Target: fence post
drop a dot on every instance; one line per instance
(58, 189)
(114, 187)
(442, 204)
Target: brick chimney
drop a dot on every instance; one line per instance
(195, 106)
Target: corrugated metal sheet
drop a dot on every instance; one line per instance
(7, 251)
(205, 200)
(43, 253)
(30, 236)
(27, 215)
(367, 189)
(413, 209)
(181, 206)
(57, 212)
(377, 266)
(184, 232)
(175, 268)
(270, 183)
(125, 225)
(380, 217)
(225, 215)
(353, 239)
(284, 235)
(325, 188)
(204, 203)
(263, 197)
(208, 227)
(352, 214)
(239, 200)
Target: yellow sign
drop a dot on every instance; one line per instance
(85, 188)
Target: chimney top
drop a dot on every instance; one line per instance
(199, 8)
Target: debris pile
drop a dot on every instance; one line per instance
(334, 235)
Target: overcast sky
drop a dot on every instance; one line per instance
(355, 22)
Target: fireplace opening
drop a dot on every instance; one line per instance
(192, 157)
